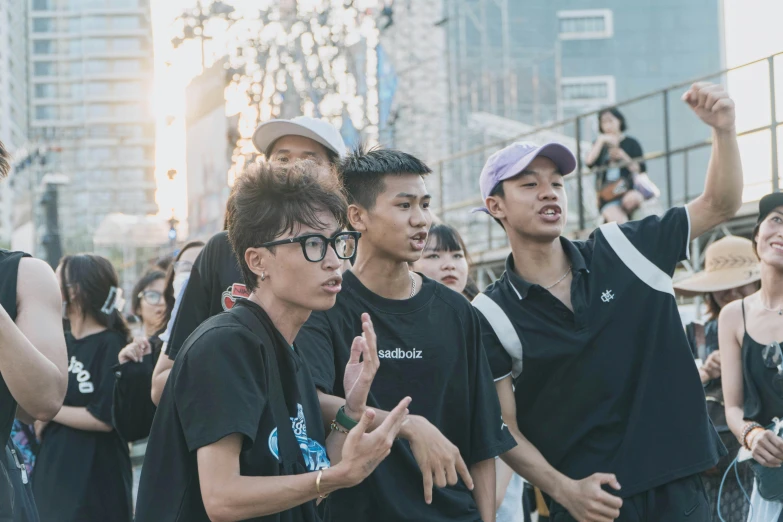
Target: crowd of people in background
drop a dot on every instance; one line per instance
(328, 356)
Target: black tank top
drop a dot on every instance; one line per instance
(762, 401)
(9, 269)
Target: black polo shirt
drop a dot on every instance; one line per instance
(610, 387)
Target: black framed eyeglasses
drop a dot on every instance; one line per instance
(773, 359)
(151, 297)
(314, 245)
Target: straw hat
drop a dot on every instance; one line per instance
(730, 263)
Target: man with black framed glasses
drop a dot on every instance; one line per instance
(429, 343)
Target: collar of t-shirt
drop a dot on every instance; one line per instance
(522, 287)
(399, 306)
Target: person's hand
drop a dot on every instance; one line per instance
(362, 451)
(711, 366)
(767, 449)
(586, 501)
(360, 370)
(439, 460)
(617, 154)
(610, 140)
(40, 427)
(135, 351)
(712, 105)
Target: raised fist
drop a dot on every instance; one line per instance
(712, 105)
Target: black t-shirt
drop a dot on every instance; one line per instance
(85, 476)
(631, 147)
(430, 349)
(214, 286)
(611, 387)
(9, 272)
(219, 386)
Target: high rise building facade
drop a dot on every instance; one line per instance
(13, 95)
(91, 78)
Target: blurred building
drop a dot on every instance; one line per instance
(209, 144)
(91, 81)
(13, 96)
(495, 69)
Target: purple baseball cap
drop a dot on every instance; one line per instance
(510, 161)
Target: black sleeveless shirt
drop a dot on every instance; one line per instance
(762, 401)
(9, 269)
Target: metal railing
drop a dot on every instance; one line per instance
(484, 236)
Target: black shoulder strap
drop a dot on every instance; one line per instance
(288, 447)
(744, 324)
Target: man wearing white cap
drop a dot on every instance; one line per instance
(215, 280)
(605, 389)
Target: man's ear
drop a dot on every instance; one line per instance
(257, 260)
(357, 217)
(496, 207)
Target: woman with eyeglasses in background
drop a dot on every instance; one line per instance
(750, 331)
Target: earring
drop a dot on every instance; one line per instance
(263, 276)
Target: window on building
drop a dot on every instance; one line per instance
(125, 23)
(43, 25)
(131, 154)
(587, 92)
(98, 89)
(97, 66)
(129, 110)
(42, 5)
(77, 91)
(45, 90)
(95, 45)
(129, 131)
(94, 23)
(130, 89)
(44, 69)
(124, 3)
(75, 47)
(127, 66)
(100, 154)
(585, 24)
(75, 68)
(126, 44)
(43, 47)
(99, 110)
(98, 131)
(130, 176)
(46, 112)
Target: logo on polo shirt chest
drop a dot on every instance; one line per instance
(399, 353)
(607, 296)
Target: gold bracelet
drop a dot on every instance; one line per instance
(336, 427)
(318, 484)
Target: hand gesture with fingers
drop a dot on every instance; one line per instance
(587, 501)
(767, 449)
(712, 104)
(363, 451)
(360, 370)
(135, 351)
(439, 460)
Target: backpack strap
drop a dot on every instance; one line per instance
(503, 328)
(642, 267)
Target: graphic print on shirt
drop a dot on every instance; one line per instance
(82, 376)
(314, 454)
(231, 294)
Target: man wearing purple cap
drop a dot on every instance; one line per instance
(605, 389)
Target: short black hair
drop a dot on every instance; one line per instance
(271, 200)
(363, 170)
(614, 111)
(5, 161)
(445, 238)
(332, 156)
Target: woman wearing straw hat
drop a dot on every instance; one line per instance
(732, 272)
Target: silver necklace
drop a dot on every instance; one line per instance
(413, 284)
(779, 310)
(559, 280)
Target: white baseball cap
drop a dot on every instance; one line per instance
(319, 131)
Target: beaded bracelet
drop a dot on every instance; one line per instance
(750, 426)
